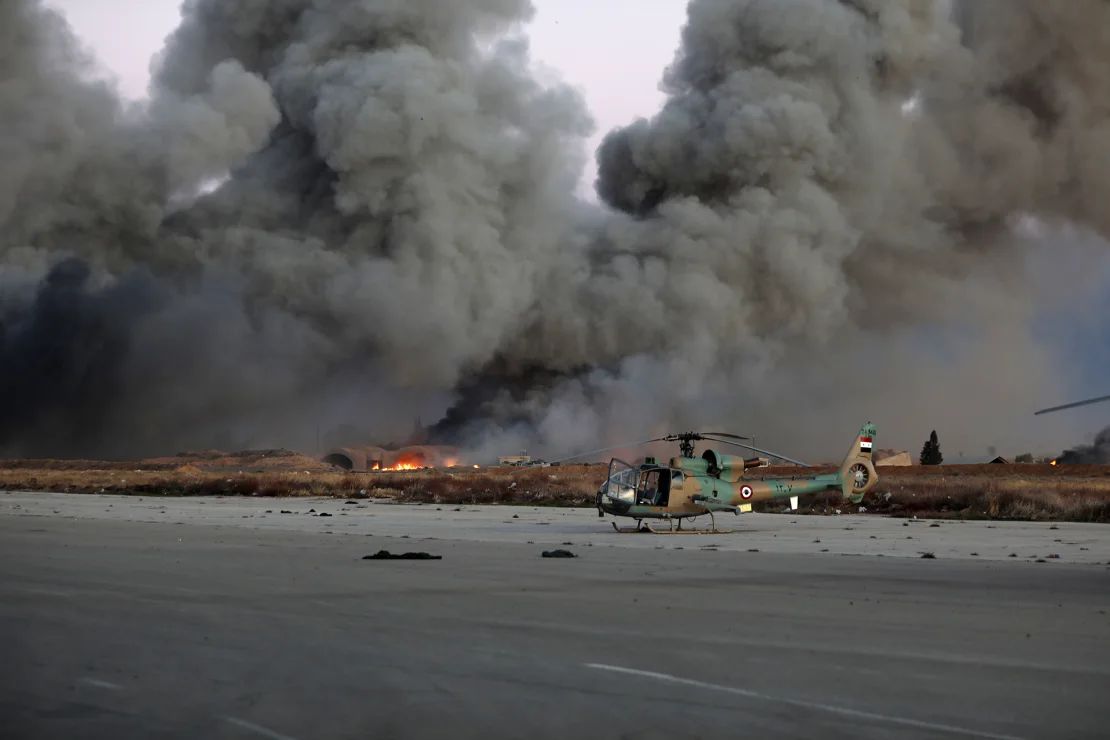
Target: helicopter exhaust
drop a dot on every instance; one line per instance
(756, 462)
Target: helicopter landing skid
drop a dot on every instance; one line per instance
(643, 527)
(640, 528)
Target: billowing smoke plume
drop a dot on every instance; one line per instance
(397, 191)
(831, 218)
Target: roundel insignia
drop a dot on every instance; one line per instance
(746, 491)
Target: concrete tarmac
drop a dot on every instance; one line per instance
(182, 618)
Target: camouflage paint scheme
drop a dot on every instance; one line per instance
(715, 483)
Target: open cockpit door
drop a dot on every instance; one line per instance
(654, 488)
(618, 492)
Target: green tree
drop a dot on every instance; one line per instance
(930, 453)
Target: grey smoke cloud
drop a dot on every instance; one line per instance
(787, 238)
(789, 206)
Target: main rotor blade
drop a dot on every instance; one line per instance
(726, 434)
(1077, 404)
(609, 449)
(765, 452)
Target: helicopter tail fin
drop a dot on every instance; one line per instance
(857, 472)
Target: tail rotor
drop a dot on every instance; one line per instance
(857, 472)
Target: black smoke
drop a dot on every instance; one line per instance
(1097, 453)
(62, 359)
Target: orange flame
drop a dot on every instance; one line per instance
(409, 462)
(404, 466)
(415, 461)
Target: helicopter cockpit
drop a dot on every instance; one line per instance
(653, 487)
(646, 485)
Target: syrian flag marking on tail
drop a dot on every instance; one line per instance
(865, 444)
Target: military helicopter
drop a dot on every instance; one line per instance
(690, 486)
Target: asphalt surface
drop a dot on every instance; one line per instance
(128, 618)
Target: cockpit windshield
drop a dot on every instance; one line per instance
(640, 486)
(621, 484)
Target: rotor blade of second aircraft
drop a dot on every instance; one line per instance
(1077, 404)
(609, 449)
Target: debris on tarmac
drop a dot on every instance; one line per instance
(558, 554)
(387, 555)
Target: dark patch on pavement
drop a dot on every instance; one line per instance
(387, 555)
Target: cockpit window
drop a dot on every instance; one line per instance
(621, 484)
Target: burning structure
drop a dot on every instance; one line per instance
(415, 457)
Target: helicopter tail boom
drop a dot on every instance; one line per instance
(857, 472)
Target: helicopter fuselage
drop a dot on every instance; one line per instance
(693, 494)
(696, 486)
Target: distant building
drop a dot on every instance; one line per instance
(893, 458)
(999, 461)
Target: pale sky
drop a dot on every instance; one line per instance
(613, 51)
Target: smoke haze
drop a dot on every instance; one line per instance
(339, 212)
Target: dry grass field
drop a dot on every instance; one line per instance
(1078, 493)
(1026, 492)
(285, 473)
